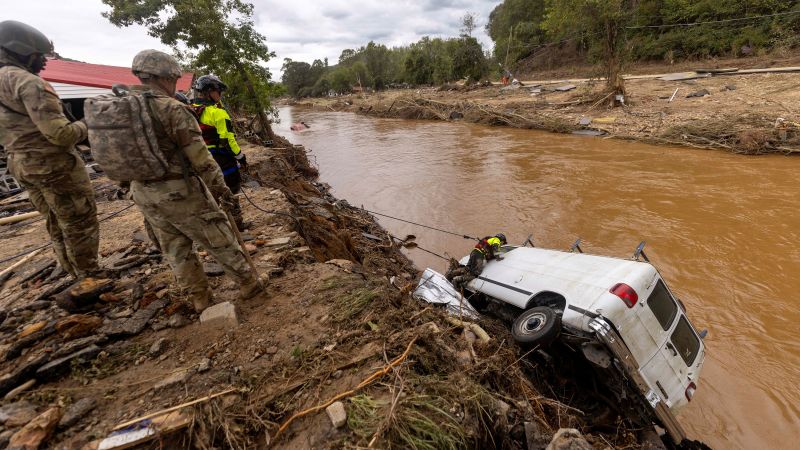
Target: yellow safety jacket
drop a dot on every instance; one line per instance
(217, 128)
(488, 246)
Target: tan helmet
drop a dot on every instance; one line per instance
(23, 39)
(149, 63)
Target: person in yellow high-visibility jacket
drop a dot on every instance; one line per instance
(217, 128)
(485, 250)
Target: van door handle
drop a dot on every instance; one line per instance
(672, 347)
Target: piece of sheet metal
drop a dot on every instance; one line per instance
(434, 288)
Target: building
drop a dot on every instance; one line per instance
(76, 81)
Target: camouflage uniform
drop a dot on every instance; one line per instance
(183, 211)
(40, 143)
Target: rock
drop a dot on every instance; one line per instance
(700, 93)
(252, 184)
(32, 328)
(175, 378)
(78, 325)
(19, 389)
(23, 372)
(534, 437)
(17, 414)
(204, 365)
(277, 242)
(158, 347)
(177, 320)
(271, 350)
(568, 439)
(220, 314)
(32, 435)
(76, 411)
(133, 325)
(54, 369)
(213, 269)
(78, 344)
(120, 314)
(503, 408)
(5, 436)
(454, 115)
(337, 414)
(337, 374)
(38, 305)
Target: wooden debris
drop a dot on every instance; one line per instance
(20, 262)
(18, 217)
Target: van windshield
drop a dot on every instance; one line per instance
(685, 341)
(662, 305)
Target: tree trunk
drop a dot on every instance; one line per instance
(262, 116)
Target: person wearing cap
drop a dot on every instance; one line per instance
(181, 207)
(40, 143)
(217, 128)
(485, 250)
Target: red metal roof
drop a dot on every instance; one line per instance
(97, 75)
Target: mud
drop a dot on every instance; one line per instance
(748, 114)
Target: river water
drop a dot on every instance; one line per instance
(724, 231)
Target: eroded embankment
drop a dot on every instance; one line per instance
(749, 114)
(337, 322)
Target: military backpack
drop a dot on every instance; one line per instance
(123, 137)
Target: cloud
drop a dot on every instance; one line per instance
(302, 30)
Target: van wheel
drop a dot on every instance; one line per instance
(537, 326)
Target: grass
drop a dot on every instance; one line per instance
(420, 422)
(353, 303)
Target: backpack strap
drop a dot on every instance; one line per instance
(148, 98)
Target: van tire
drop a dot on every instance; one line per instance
(539, 325)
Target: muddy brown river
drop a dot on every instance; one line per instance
(724, 230)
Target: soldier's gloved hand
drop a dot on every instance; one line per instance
(227, 201)
(243, 162)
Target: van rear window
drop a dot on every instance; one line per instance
(685, 341)
(662, 305)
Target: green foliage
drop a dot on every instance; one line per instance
(209, 36)
(646, 28)
(375, 66)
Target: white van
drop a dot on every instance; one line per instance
(620, 312)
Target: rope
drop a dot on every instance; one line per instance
(279, 213)
(21, 254)
(421, 225)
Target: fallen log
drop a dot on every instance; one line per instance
(20, 262)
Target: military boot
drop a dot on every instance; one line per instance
(254, 287)
(200, 300)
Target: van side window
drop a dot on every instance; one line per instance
(662, 305)
(685, 341)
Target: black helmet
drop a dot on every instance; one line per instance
(181, 97)
(502, 238)
(23, 39)
(208, 82)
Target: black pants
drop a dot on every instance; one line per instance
(234, 182)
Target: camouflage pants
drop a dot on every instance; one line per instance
(179, 218)
(60, 189)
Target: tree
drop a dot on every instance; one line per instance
(514, 26)
(468, 24)
(468, 60)
(219, 37)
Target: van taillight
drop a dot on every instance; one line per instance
(690, 390)
(626, 293)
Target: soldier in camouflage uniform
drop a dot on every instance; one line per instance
(183, 210)
(40, 143)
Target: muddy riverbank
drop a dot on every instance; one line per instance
(751, 114)
(722, 229)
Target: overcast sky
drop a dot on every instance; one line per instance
(302, 30)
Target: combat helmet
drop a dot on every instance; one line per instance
(22, 39)
(154, 63)
(207, 82)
